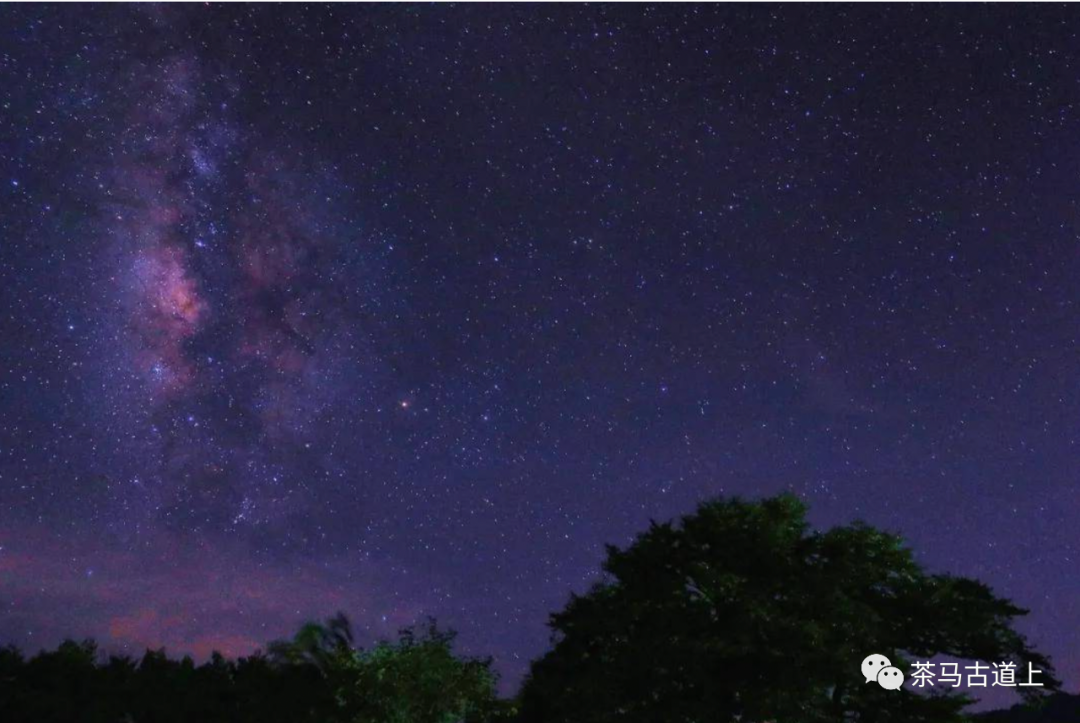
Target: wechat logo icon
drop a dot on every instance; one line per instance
(879, 668)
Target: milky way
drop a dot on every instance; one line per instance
(408, 311)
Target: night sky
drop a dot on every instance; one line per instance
(406, 311)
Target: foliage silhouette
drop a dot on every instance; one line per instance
(317, 677)
(415, 680)
(737, 612)
(741, 612)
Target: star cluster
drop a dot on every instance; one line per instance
(408, 311)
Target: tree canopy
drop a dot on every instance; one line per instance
(741, 612)
(738, 612)
(417, 679)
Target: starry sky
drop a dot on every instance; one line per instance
(406, 311)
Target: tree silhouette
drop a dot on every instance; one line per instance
(741, 612)
(317, 677)
(737, 612)
(324, 646)
(417, 679)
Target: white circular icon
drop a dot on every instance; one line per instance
(874, 664)
(890, 678)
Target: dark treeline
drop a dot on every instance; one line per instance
(73, 684)
(317, 676)
(738, 612)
